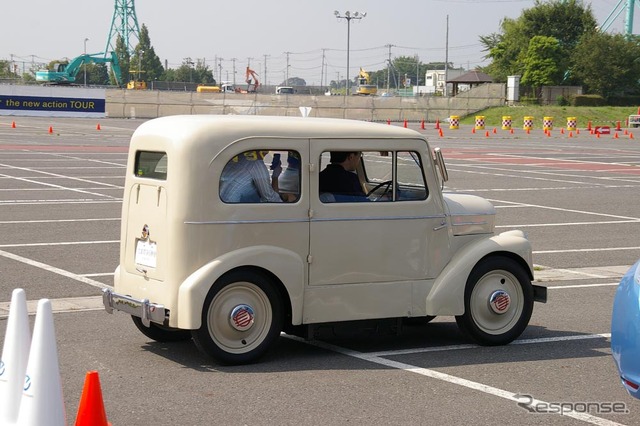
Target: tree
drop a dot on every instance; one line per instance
(188, 73)
(294, 81)
(146, 65)
(564, 20)
(607, 64)
(541, 63)
(124, 59)
(97, 74)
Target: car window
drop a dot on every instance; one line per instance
(410, 175)
(261, 176)
(375, 176)
(151, 164)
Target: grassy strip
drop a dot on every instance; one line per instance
(599, 116)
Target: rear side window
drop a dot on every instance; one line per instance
(261, 176)
(151, 164)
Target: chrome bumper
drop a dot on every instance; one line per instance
(147, 311)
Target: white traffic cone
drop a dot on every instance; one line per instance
(42, 401)
(15, 355)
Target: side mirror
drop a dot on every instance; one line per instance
(441, 166)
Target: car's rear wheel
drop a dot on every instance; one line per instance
(160, 333)
(241, 318)
(498, 301)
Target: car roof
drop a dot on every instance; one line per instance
(219, 131)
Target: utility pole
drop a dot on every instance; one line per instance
(287, 72)
(446, 61)
(389, 66)
(220, 70)
(233, 60)
(265, 69)
(322, 69)
(417, 74)
(348, 16)
(85, 61)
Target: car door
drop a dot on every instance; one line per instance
(365, 257)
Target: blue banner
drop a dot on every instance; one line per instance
(52, 101)
(34, 103)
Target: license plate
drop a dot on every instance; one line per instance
(146, 253)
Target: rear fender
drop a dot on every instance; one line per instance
(447, 294)
(286, 265)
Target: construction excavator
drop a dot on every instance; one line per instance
(364, 84)
(252, 80)
(65, 74)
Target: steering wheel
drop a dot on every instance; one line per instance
(387, 183)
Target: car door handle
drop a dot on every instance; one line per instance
(443, 224)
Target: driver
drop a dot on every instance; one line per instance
(339, 178)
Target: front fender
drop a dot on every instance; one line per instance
(286, 265)
(447, 294)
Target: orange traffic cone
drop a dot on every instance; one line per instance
(98, 126)
(13, 124)
(486, 134)
(422, 124)
(562, 131)
(441, 133)
(437, 123)
(405, 123)
(473, 130)
(615, 136)
(50, 129)
(91, 409)
(570, 134)
(388, 122)
(495, 130)
(511, 131)
(630, 135)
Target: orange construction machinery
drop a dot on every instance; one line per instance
(252, 81)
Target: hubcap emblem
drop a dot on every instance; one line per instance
(242, 317)
(499, 301)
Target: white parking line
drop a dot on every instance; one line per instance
(490, 390)
(62, 243)
(472, 346)
(101, 219)
(589, 250)
(53, 269)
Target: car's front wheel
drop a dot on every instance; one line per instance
(241, 318)
(498, 301)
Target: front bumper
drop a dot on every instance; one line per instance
(143, 309)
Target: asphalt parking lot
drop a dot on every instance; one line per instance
(61, 184)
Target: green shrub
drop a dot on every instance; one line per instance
(624, 100)
(529, 100)
(589, 100)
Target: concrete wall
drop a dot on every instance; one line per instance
(123, 103)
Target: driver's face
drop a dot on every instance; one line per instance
(354, 160)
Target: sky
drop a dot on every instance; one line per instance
(259, 33)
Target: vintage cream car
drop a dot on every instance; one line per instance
(217, 248)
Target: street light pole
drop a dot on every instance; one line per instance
(348, 16)
(85, 61)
